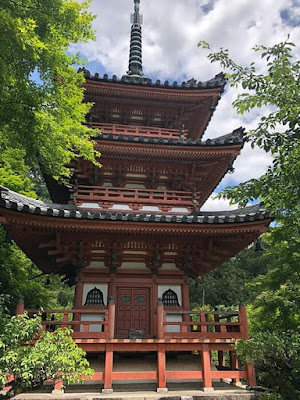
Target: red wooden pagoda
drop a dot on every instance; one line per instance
(130, 234)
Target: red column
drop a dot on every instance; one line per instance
(77, 303)
(251, 375)
(185, 305)
(20, 307)
(244, 329)
(109, 357)
(161, 368)
(58, 387)
(221, 358)
(111, 318)
(78, 294)
(206, 369)
(234, 364)
(160, 319)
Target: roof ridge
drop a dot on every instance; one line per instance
(18, 202)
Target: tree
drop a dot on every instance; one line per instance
(41, 107)
(234, 275)
(19, 277)
(41, 116)
(277, 132)
(274, 313)
(54, 355)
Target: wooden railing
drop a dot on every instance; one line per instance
(107, 196)
(203, 324)
(193, 324)
(132, 130)
(104, 322)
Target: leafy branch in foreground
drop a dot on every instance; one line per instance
(274, 313)
(277, 132)
(41, 94)
(54, 355)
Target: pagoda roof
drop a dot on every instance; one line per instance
(190, 104)
(233, 138)
(192, 84)
(16, 202)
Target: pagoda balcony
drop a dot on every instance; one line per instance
(139, 131)
(98, 322)
(106, 197)
(199, 333)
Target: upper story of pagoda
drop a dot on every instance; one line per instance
(152, 153)
(134, 105)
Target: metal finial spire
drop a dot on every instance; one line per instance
(135, 55)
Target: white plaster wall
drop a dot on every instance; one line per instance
(93, 317)
(89, 286)
(175, 288)
(89, 205)
(134, 265)
(135, 186)
(96, 264)
(173, 318)
(169, 266)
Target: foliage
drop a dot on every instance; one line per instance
(228, 284)
(277, 357)
(41, 108)
(276, 306)
(274, 311)
(19, 277)
(53, 356)
(41, 115)
(277, 132)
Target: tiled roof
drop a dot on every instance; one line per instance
(218, 81)
(233, 138)
(15, 201)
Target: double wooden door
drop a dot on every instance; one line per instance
(132, 311)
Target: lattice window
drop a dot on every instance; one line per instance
(94, 298)
(170, 299)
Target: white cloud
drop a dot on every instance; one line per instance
(171, 31)
(213, 204)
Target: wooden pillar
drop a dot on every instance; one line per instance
(244, 329)
(206, 369)
(185, 305)
(77, 303)
(153, 305)
(221, 358)
(251, 375)
(109, 358)
(243, 321)
(58, 387)
(161, 369)
(78, 294)
(160, 319)
(20, 307)
(111, 318)
(234, 364)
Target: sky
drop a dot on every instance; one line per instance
(171, 31)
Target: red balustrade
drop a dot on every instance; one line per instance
(203, 324)
(106, 196)
(103, 321)
(133, 130)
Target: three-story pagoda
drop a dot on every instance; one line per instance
(132, 232)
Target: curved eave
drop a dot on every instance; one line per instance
(15, 207)
(230, 140)
(36, 226)
(218, 82)
(151, 152)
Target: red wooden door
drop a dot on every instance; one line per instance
(133, 311)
